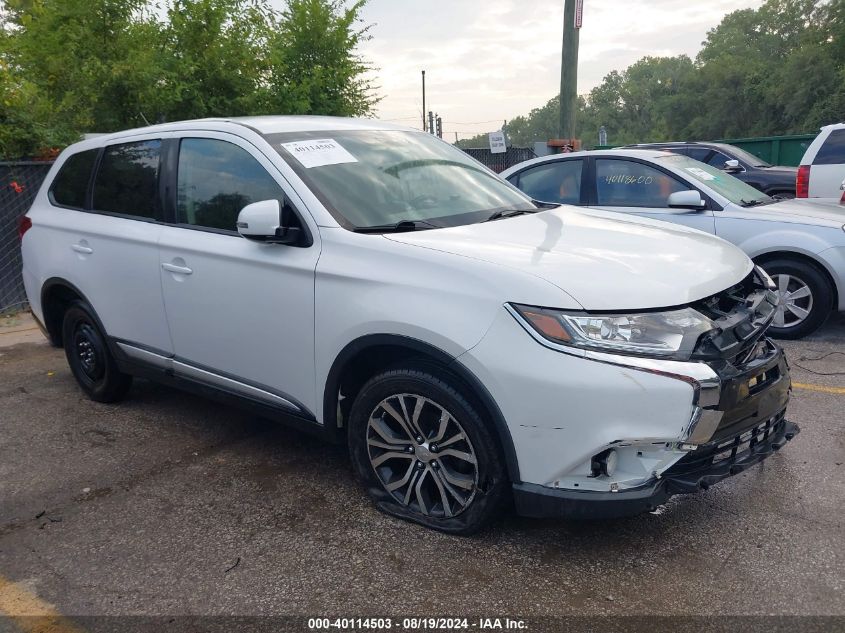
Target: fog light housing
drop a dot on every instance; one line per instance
(604, 463)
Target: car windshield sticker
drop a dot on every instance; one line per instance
(700, 173)
(319, 152)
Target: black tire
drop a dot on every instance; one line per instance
(440, 392)
(88, 355)
(821, 299)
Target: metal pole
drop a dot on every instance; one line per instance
(423, 112)
(568, 72)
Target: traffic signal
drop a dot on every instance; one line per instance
(439, 127)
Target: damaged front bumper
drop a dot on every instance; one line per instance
(697, 471)
(738, 421)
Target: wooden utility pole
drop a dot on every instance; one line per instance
(569, 67)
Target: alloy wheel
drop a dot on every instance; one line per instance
(422, 455)
(796, 301)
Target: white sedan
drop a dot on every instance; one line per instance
(800, 243)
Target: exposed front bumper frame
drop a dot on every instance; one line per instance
(533, 500)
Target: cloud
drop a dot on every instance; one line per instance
(490, 60)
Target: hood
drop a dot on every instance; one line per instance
(802, 211)
(604, 260)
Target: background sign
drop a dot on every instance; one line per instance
(579, 13)
(497, 142)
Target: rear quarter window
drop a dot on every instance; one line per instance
(70, 187)
(127, 180)
(832, 151)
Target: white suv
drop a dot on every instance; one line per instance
(376, 286)
(823, 165)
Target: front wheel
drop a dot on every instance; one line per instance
(424, 453)
(806, 298)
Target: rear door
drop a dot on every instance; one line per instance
(241, 313)
(631, 186)
(828, 167)
(102, 235)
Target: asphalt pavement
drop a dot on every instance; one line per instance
(171, 504)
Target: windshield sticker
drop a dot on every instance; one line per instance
(700, 173)
(320, 152)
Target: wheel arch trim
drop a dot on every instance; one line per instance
(60, 282)
(363, 343)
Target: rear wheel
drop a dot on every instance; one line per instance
(89, 357)
(424, 453)
(806, 297)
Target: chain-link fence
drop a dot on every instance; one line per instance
(500, 162)
(19, 182)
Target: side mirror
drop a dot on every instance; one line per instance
(262, 222)
(686, 200)
(732, 165)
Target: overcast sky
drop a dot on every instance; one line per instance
(489, 60)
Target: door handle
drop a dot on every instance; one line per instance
(81, 248)
(173, 268)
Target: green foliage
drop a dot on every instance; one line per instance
(74, 66)
(776, 70)
(313, 67)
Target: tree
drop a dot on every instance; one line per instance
(74, 66)
(775, 70)
(313, 64)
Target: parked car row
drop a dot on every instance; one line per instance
(376, 286)
(821, 174)
(775, 181)
(800, 243)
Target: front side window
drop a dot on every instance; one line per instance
(376, 178)
(832, 151)
(70, 187)
(127, 181)
(558, 181)
(718, 160)
(624, 183)
(216, 179)
(698, 153)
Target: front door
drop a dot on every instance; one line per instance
(241, 313)
(632, 187)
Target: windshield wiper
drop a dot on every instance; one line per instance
(402, 226)
(756, 202)
(508, 213)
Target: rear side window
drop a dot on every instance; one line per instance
(127, 181)
(217, 179)
(70, 186)
(832, 151)
(559, 181)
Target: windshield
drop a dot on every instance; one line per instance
(747, 157)
(376, 178)
(722, 183)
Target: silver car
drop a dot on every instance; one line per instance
(800, 243)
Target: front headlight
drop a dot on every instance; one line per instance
(670, 334)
